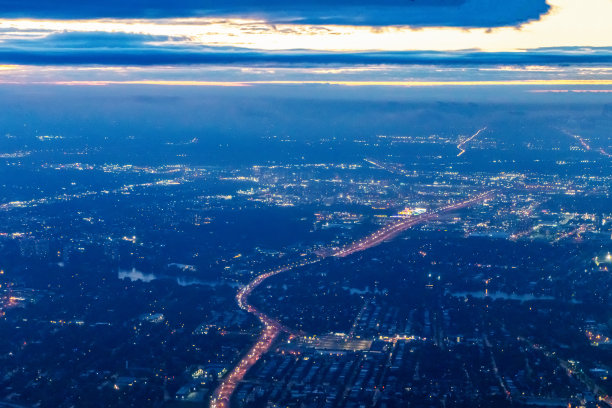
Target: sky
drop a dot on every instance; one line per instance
(565, 44)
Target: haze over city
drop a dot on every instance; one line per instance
(311, 204)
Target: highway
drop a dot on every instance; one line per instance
(585, 144)
(387, 167)
(391, 230)
(272, 328)
(222, 395)
(460, 145)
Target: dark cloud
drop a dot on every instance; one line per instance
(457, 13)
(149, 57)
(120, 49)
(84, 40)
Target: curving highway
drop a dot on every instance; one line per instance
(460, 145)
(272, 328)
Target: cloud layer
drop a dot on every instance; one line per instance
(455, 13)
(122, 49)
(198, 42)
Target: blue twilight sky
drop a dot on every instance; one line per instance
(337, 42)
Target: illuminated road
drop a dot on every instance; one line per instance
(383, 234)
(460, 145)
(223, 393)
(394, 229)
(604, 153)
(577, 231)
(585, 144)
(387, 167)
(272, 328)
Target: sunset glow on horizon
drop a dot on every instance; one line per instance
(568, 24)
